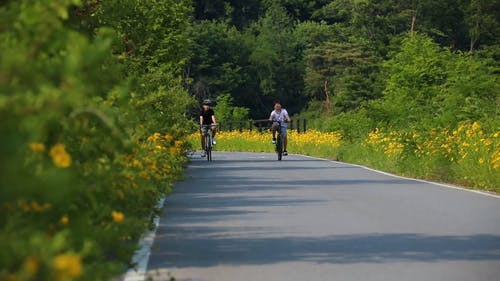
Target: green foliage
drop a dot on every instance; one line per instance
(83, 87)
(227, 112)
(212, 69)
(289, 48)
(428, 85)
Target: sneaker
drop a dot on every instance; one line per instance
(214, 142)
(285, 153)
(274, 141)
(204, 154)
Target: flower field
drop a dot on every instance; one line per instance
(467, 155)
(304, 143)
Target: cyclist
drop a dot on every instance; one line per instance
(207, 117)
(281, 115)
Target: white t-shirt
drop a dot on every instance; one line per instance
(275, 116)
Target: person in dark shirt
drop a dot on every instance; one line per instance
(207, 117)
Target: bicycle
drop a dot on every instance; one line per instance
(279, 140)
(208, 140)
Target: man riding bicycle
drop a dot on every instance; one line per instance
(207, 121)
(279, 115)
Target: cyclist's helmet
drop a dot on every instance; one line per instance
(207, 102)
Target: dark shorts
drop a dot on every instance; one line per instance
(283, 129)
(204, 129)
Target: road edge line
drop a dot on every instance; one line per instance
(446, 185)
(141, 255)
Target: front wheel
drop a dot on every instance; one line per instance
(279, 147)
(208, 147)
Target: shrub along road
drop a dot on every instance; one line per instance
(246, 216)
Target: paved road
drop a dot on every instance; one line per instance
(248, 217)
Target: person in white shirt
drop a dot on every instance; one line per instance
(279, 115)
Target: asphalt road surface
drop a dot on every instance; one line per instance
(248, 217)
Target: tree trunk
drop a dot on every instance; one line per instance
(412, 28)
(327, 94)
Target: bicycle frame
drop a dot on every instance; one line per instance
(208, 141)
(279, 141)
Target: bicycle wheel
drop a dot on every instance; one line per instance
(279, 147)
(208, 147)
(209, 150)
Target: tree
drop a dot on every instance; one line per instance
(414, 76)
(338, 69)
(238, 13)
(218, 55)
(483, 21)
(226, 111)
(277, 60)
(428, 86)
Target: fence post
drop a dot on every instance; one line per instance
(298, 125)
(291, 125)
(240, 126)
(305, 126)
(250, 126)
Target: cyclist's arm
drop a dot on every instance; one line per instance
(213, 119)
(287, 117)
(271, 119)
(201, 120)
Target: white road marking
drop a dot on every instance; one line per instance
(407, 178)
(141, 256)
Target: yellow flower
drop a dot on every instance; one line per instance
(476, 126)
(12, 277)
(60, 156)
(178, 143)
(144, 175)
(65, 220)
(31, 266)
(118, 216)
(168, 138)
(172, 150)
(481, 160)
(68, 266)
(154, 137)
(37, 147)
(121, 195)
(40, 208)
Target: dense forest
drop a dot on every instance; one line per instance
(97, 98)
(383, 61)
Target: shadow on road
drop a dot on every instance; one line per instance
(208, 247)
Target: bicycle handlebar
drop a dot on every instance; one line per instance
(284, 121)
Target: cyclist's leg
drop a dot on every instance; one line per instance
(204, 132)
(285, 137)
(273, 130)
(214, 131)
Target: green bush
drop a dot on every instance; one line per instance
(92, 132)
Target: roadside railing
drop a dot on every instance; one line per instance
(260, 125)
